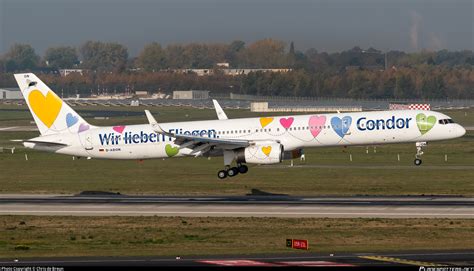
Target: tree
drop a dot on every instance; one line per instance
(175, 56)
(102, 56)
(21, 57)
(2, 65)
(152, 58)
(61, 57)
(403, 86)
(234, 51)
(266, 53)
(292, 55)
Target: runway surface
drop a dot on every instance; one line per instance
(262, 205)
(421, 258)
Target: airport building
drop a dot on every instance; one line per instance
(191, 95)
(66, 72)
(10, 94)
(227, 71)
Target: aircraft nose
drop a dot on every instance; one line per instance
(461, 130)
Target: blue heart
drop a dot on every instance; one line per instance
(341, 126)
(71, 120)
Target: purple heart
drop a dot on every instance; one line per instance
(83, 127)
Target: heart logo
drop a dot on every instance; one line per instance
(265, 121)
(315, 124)
(286, 122)
(83, 127)
(45, 108)
(425, 123)
(341, 126)
(71, 120)
(267, 150)
(119, 129)
(171, 151)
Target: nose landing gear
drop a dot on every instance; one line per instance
(419, 153)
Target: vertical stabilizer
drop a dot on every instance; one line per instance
(51, 114)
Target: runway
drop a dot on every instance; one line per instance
(418, 258)
(262, 205)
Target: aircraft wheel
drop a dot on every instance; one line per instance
(417, 162)
(222, 174)
(231, 172)
(243, 169)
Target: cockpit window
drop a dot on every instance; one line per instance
(445, 121)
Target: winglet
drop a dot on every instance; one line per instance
(156, 127)
(220, 113)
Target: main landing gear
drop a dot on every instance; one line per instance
(232, 171)
(419, 153)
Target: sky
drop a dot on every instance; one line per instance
(326, 25)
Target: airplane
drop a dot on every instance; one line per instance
(261, 140)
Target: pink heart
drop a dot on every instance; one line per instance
(286, 123)
(83, 127)
(315, 123)
(119, 129)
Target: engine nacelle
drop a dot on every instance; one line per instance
(261, 153)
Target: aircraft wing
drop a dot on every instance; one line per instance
(198, 144)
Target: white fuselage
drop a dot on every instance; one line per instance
(293, 132)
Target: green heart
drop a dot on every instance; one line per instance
(425, 123)
(171, 151)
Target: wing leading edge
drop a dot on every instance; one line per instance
(198, 144)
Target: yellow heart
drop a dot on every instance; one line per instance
(45, 108)
(267, 150)
(265, 121)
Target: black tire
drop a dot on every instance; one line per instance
(417, 162)
(243, 169)
(222, 174)
(231, 172)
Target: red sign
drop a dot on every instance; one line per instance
(298, 244)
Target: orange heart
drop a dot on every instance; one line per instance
(267, 150)
(45, 108)
(265, 121)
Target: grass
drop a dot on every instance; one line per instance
(29, 236)
(373, 173)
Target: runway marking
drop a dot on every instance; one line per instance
(237, 263)
(7, 128)
(399, 260)
(315, 263)
(430, 167)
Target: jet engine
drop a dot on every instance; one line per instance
(260, 153)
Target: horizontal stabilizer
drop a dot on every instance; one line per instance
(39, 142)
